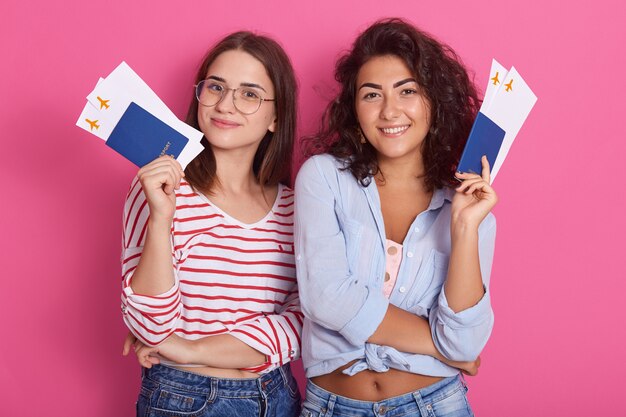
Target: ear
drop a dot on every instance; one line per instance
(272, 126)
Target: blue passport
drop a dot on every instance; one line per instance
(141, 137)
(484, 139)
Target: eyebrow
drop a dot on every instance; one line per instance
(220, 79)
(252, 85)
(395, 85)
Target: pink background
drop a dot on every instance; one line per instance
(558, 281)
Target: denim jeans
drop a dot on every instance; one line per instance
(171, 392)
(445, 398)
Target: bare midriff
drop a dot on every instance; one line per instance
(217, 372)
(373, 386)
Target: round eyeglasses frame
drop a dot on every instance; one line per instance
(224, 93)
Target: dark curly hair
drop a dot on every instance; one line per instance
(443, 80)
(272, 161)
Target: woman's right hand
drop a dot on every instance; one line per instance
(144, 353)
(160, 179)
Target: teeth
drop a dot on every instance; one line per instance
(394, 130)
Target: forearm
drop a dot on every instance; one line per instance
(155, 274)
(409, 333)
(462, 319)
(223, 351)
(405, 332)
(464, 285)
(412, 334)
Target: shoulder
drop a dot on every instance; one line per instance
(136, 213)
(134, 196)
(322, 163)
(284, 189)
(186, 190)
(285, 193)
(325, 167)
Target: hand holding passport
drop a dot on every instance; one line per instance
(124, 112)
(507, 103)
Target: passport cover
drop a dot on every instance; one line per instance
(485, 138)
(141, 137)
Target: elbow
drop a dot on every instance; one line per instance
(139, 333)
(462, 344)
(148, 338)
(356, 325)
(460, 353)
(328, 311)
(318, 304)
(320, 313)
(146, 329)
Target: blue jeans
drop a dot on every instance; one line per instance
(445, 398)
(171, 392)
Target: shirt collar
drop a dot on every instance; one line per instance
(440, 196)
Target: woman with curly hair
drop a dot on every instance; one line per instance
(393, 246)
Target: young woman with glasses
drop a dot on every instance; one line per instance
(209, 286)
(393, 247)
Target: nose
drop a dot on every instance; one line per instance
(226, 104)
(390, 108)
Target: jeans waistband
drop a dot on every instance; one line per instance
(249, 387)
(439, 390)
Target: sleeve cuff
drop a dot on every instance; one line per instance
(470, 317)
(367, 320)
(151, 303)
(249, 338)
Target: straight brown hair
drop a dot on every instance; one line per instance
(272, 162)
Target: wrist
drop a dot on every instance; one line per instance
(158, 223)
(461, 228)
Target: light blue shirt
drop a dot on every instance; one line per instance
(340, 265)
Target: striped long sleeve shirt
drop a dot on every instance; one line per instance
(230, 277)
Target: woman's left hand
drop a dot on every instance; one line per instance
(474, 198)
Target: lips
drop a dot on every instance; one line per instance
(224, 124)
(395, 130)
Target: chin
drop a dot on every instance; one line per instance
(395, 152)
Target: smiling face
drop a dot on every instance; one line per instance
(223, 125)
(394, 116)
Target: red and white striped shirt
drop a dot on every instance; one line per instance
(230, 277)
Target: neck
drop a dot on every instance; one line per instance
(408, 170)
(234, 171)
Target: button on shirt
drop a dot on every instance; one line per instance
(341, 261)
(392, 265)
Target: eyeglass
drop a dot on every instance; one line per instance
(246, 100)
